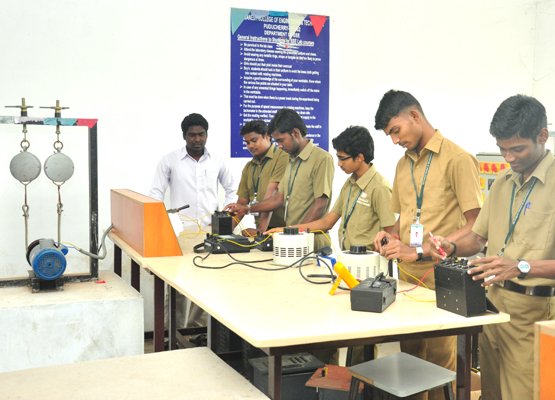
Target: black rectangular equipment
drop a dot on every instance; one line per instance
(455, 289)
(373, 294)
(264, 242)
(221, 223)
(227, 244)
(296, 369)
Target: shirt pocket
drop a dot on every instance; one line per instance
(535, 229)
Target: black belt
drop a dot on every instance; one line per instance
(540, 291)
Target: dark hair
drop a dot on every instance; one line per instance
(391, 104)
(519, 115)
(193, 120)
(257, 126)
(355, 140)
(285, 120)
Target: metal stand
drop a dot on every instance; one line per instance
(38, 284)
(91, 124)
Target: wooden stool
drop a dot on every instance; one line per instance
(401, 375)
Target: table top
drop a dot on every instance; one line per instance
(187, 240)
(279, 308)
(182, 374)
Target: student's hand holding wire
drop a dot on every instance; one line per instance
(440, 248)
(249, 232)
(381, 239)
(395, 249)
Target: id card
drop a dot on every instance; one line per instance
(416, 234)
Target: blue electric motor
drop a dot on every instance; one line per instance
(47, 259)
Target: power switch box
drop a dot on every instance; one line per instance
(373, 295)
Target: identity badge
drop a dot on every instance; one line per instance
(416, 234)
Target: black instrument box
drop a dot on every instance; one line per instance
(264, 242)
(221, 223)
(227, 244)
(456, 291)
(296, 370)
(373, 295)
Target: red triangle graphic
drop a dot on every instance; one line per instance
(318, 22)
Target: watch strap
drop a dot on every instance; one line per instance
(419, 253)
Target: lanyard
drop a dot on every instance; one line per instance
(347, 215)
(290, 184)
(512, 223)
(255, 183)
(420, 196)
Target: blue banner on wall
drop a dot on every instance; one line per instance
(279, 59)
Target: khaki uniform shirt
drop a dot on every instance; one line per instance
(307, 177)
(452, 188)
(534, 234)
(257, 174)
(364, 206)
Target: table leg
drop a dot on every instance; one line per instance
(172, 326)
(274, 377)
(158, 314)
(464, 351)
(117, 260)
(135, 276)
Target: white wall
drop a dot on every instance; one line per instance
(140, 66)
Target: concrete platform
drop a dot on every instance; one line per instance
(85, 321)
(190, 374)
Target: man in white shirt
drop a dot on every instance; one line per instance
(193, 174)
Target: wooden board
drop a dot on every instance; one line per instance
(143, 223)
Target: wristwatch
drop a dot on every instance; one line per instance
(524, 268)
(419, 253)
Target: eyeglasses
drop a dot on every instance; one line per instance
(344, 158)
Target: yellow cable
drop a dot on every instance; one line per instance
(323, 233)
(240, 225)
(412, 276)
(327, 238)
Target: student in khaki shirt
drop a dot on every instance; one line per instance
(306, 186)
(262, 174)
(443, 179)
(363, 204)
(519, 268)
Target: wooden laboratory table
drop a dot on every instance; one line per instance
(181, 375)
(281, 313)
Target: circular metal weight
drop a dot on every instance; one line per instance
(25, 167)
(58, 167)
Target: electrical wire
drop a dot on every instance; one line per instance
(251, 245)
(419, 282)
(92, 255)
(185, 217)
(331, 276)
(240, 225)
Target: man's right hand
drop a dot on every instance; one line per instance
(381, 239)
(440, 242)
(236, 209)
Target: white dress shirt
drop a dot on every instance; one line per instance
(194, 183)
